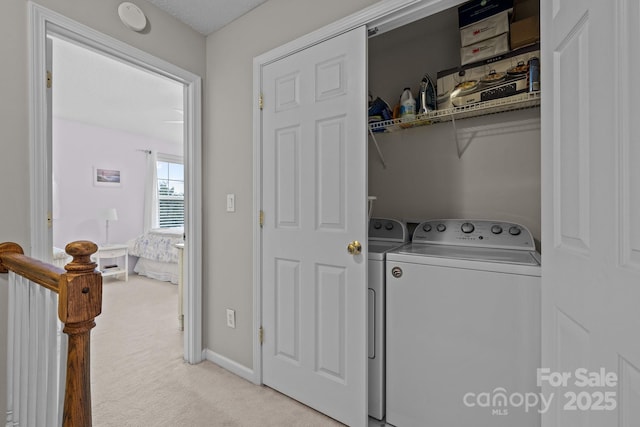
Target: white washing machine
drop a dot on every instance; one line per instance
(463, 326)
(384, 236)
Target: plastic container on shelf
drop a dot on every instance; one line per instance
(407, 105)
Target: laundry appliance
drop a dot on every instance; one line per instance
(463, 326)
(384, 236)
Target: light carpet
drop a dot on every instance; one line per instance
(139, 378)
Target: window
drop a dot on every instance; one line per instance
(170, 193)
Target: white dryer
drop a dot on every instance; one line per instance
(463, 326)
(384, 236)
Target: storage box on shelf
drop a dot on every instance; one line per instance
(525, 23)
(497, 77)
(477, 10)
(487, 28)
(485, 49)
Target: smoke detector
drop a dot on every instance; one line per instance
(132, 16)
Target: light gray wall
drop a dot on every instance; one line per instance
(228, 158)
(167, 39)
(497, 177)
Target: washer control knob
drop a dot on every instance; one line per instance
(427, 227)
(377, 225)
(514, 231)
(467, 227)
(496, 229)
(389, 226)
(441, 227)
(396, 272)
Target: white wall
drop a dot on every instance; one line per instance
(228, 156)
(77, 149)
(167, 39)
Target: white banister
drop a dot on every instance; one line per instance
(36, 355)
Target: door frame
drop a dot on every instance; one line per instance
(382, 16)
(43, 21)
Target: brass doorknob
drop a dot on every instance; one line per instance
(354, 248)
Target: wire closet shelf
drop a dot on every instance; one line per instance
(512, 103)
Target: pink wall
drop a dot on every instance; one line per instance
(77, 204)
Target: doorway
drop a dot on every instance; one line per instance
(48, 23)
(111, 118)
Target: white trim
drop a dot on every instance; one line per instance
(171, 158)
(386, 15)
(193, 222)
(42, 21)
(257, 230)
(40, 156)
(228, 364)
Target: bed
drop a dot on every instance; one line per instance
(61, 258)
(157, 253)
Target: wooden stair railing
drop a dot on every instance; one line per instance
(79, 290)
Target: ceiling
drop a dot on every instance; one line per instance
(94, 89)
(206, 16)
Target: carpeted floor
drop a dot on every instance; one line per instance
(140, 379)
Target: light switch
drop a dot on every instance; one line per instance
(231, 202)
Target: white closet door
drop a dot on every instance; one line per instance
(314, 202)
(591, 207)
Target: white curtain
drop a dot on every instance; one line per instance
(151, 217)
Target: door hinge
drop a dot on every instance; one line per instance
(261, 101)
(261, 220)
(261, 335)
(49, 80)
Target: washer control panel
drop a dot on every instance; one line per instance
(386, 229)
(479, 233)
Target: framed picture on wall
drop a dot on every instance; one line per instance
(106, 177)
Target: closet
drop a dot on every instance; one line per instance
(311, 147)
(484, 167)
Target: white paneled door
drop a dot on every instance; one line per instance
(314, 202)
(591, 207)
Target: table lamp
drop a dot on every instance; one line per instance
(109, 214)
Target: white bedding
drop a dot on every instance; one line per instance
(158, 255)
(167, 272)
(60, 257)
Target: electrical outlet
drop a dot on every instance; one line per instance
(231, 202)
(231, 318)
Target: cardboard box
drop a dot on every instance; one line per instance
(485, 29)
(525, 32)
(485, 49)
(477, 10)
(525, 23)
(450, 78)
(525, 8)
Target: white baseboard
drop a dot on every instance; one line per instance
(230, 365)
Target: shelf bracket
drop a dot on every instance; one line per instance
(375, 141)
(461, 150)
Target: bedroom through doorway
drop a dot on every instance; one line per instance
(118, 172)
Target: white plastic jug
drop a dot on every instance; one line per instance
(407, 104)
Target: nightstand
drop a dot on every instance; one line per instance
(109, 263)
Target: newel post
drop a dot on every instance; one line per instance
(80, 301)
